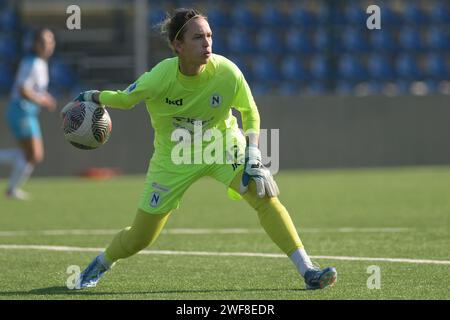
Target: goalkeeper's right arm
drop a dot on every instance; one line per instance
(148, 86)
(143, 88)
(115, 99)
(118, 99)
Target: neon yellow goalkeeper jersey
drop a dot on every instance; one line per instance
(177, 101)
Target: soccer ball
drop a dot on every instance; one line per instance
(86, 125)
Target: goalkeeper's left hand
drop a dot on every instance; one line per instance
(254, 169)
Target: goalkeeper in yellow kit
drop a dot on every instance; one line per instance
(196, 90)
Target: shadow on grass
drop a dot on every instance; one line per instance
(62, 290)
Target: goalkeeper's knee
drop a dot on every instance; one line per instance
(276, 221)
(255, 201)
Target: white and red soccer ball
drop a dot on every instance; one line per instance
(86, 125)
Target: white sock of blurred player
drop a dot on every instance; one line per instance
(19, 175)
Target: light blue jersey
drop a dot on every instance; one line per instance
(32, 74)
(22, 113)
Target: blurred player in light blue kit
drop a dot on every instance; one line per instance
(29, 94)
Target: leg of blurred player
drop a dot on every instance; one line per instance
(31, 153)
(143, 232)
(277, 223)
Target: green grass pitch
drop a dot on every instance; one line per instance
(377, 213)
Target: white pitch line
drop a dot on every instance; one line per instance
(193, 231)
(422, 261)
(228, 254)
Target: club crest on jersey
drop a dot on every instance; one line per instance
(155, 199)
(216, 100)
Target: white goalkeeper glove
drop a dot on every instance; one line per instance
(86, 96)
(254, 169)
(83, 96)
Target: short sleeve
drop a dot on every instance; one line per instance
(147, 86)
(25, 74)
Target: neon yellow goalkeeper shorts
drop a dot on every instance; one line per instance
(166, 183)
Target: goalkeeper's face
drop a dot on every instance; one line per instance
(196, 46)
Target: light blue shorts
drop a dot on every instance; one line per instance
(22, 117)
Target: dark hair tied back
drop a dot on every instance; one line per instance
(174, 26)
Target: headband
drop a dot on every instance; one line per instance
(178, 33)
